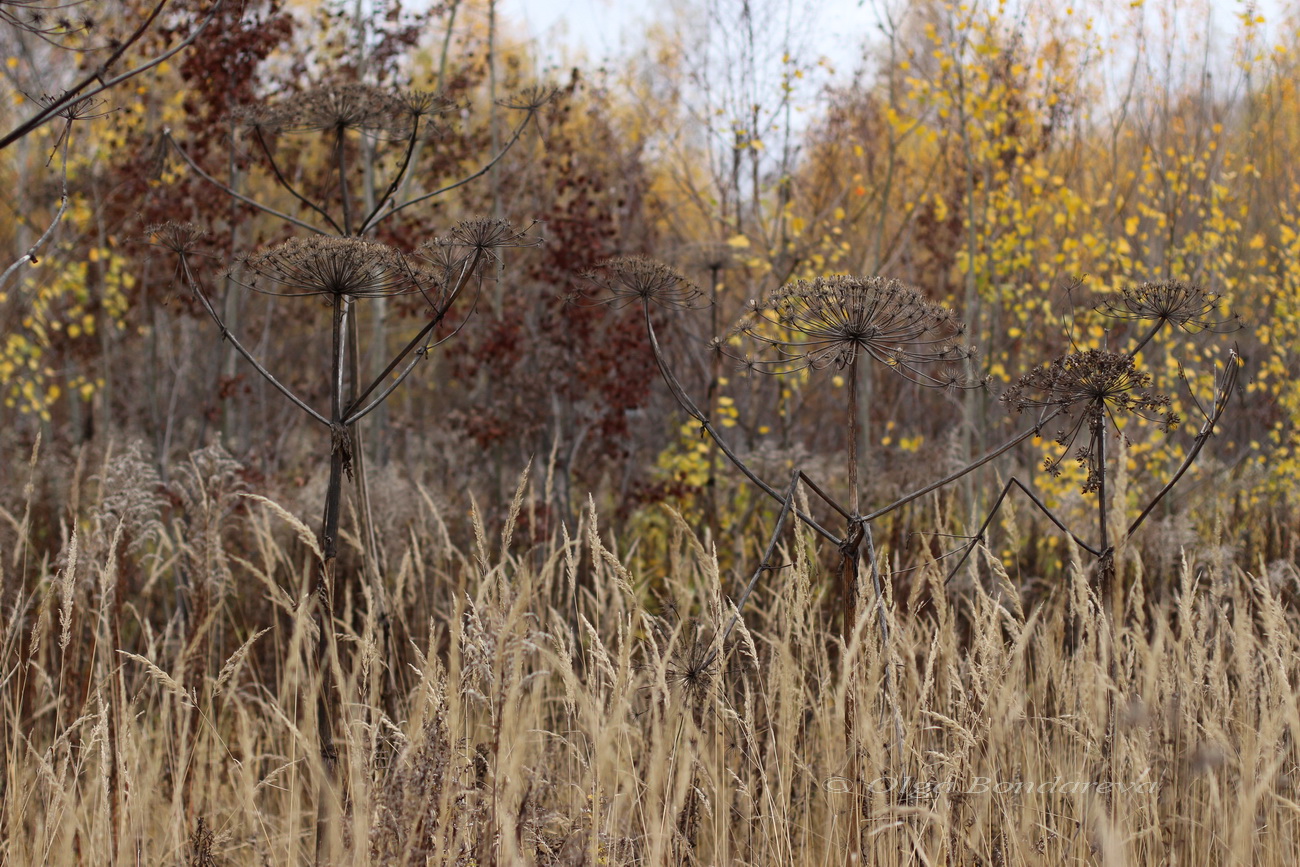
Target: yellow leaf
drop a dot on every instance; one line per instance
(1131, 226)
(839, 213)
(738, 241)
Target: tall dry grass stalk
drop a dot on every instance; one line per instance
(1168, 737)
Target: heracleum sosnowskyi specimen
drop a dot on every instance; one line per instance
(1087, 387)
(639, 279)
(329, 266)
(1175, 302)
(832, 321)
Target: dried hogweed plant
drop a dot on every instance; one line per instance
(338, 262)
(1091, 394)
(840, 322)
(845, 322)
(343, 272)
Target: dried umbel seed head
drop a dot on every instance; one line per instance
(639, 279)
(692, 664)
(530, 98)
(51, 20)
(353, 106)
(179, 237)
(1088, 387)
(328, 266)
(422, 103)
(834, 320)
(1183, 304)
(488, 234)
(260, 117)
(81, 108)
(448, 255)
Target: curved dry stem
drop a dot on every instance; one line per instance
(284, 182)
(373, 221)
(413, 345)
(30, 255)
(1225, 388)
(1042, 507)
(680, 395)
(235, 194)
(226, 334)
(969, 468)
(398, 177)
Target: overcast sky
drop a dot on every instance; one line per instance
(606, 28)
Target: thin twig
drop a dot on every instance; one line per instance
(397, 178)
(74, 93)
(284, 182)
(827, 498)
(411, 346)
(519, 130)
(1202, 437)
(971, 467)
(979, 534)
(30, 255)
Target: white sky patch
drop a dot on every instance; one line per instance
(567, 31)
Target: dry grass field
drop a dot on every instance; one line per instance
(543, 704)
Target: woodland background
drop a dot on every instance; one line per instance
(1019, 162)
(992, 155)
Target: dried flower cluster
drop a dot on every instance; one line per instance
(1087, 387)
(638, 279)
(179, 237)
(328, 266)
(834, 320)
(51, 20)
(1183, 304)
(339, 107)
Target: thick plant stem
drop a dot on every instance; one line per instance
(849, 558)
(853, 438)
(340, 462)
(340, 154)
(1100, 428)
(848, 591)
